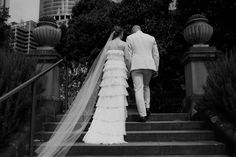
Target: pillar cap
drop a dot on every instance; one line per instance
(200, 54)
(45, 56)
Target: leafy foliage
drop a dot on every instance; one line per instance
(14, 70)
(76, 75)
(60, 47)
(4, 29)
(220, 90)
(93, 21)
(89, 28)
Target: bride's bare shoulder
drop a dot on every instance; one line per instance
(123, 43)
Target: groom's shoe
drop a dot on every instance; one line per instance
(142, 119)
(148, 113)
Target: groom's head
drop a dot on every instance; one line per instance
(136, 28)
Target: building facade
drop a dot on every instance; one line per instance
(61, 10)
(4, 4)
(7, 3)
(22, 39)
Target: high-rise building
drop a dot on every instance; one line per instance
(59, 9)
(7, 3)
(4, 4)
(22, 39)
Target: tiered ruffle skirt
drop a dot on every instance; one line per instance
(108, 124)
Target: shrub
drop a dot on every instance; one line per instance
(14, 70)
(220, 89)
(76, 75)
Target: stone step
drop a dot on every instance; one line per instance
(151, 156)
(150, 148)
(153, 117)
(147, 156)
(149, 126)
(148, 136)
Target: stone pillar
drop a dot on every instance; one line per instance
(197, 33)
(49, 84)
(47, 35)
(196, 61)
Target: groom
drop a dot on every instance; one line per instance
(144, 64)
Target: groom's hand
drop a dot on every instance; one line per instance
(128, 74)
(155, 74)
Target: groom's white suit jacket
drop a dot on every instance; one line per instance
(143, 50)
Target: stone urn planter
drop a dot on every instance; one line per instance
(46, 33)
(198, 31)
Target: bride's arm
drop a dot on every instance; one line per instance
(108, 47)
(127, 56)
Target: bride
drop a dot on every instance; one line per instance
(108, 125)
(104, 87)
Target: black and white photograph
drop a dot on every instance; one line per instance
(110, 78)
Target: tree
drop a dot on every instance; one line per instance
(4, 29)
(60, 47)
(89, 28)
(15, 69)
(220, 89)
(93, 21)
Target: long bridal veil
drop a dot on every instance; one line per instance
(77, 117)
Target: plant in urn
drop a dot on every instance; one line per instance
(46, 33)
(198, 32)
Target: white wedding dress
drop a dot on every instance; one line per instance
(108, 124)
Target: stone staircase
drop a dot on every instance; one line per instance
(163, 135)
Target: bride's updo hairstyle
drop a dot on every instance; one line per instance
(117, 31)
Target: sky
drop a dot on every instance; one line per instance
(24, 10)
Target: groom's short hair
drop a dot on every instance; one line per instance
(136, 28)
